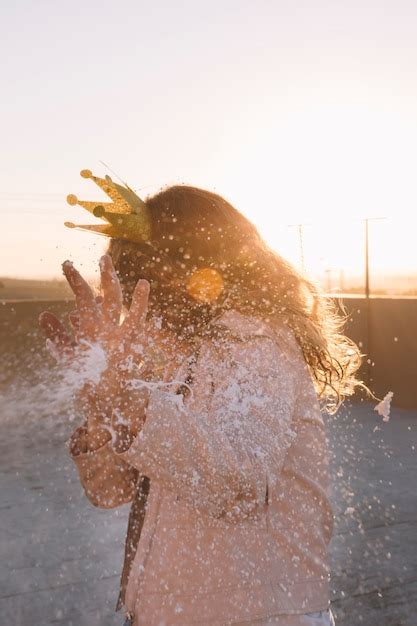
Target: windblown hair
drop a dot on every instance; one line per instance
(194, 228)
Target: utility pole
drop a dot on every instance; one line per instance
(367, 220)
(300, 229)
(367, 257)
(367, 298)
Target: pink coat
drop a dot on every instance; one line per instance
(238, 517)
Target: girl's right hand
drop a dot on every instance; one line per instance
(93, 320)
(97, 321)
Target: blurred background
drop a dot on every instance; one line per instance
(304, 116)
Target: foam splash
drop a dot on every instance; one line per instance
(51, 398)
(384, 407)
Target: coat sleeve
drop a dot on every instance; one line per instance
(108, 481)
(220, 448)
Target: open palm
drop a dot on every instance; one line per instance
(97, 321)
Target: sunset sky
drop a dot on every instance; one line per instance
(294, 111)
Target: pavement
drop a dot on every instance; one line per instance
(60, 557)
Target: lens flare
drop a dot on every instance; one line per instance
(205, 285)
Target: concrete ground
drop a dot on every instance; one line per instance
(60, 558)
(374, 548)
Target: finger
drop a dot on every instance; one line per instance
(112, 291)
(74, 319)
(85, 401)
(136, 317)
(84, 296)
(53, 350)
(54, 329)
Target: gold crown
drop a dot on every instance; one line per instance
(126, 216)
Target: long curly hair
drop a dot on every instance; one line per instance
(193, 229)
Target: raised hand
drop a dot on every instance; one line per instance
(96, 321)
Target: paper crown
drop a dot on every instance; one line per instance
(126, 216)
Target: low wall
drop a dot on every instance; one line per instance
(22, 345)
(386, 331)
(384, 328)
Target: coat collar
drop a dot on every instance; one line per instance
(244, 325)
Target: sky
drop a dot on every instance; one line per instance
(296, 112)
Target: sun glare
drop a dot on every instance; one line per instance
(328, 169)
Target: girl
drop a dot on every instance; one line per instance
(207, 416)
